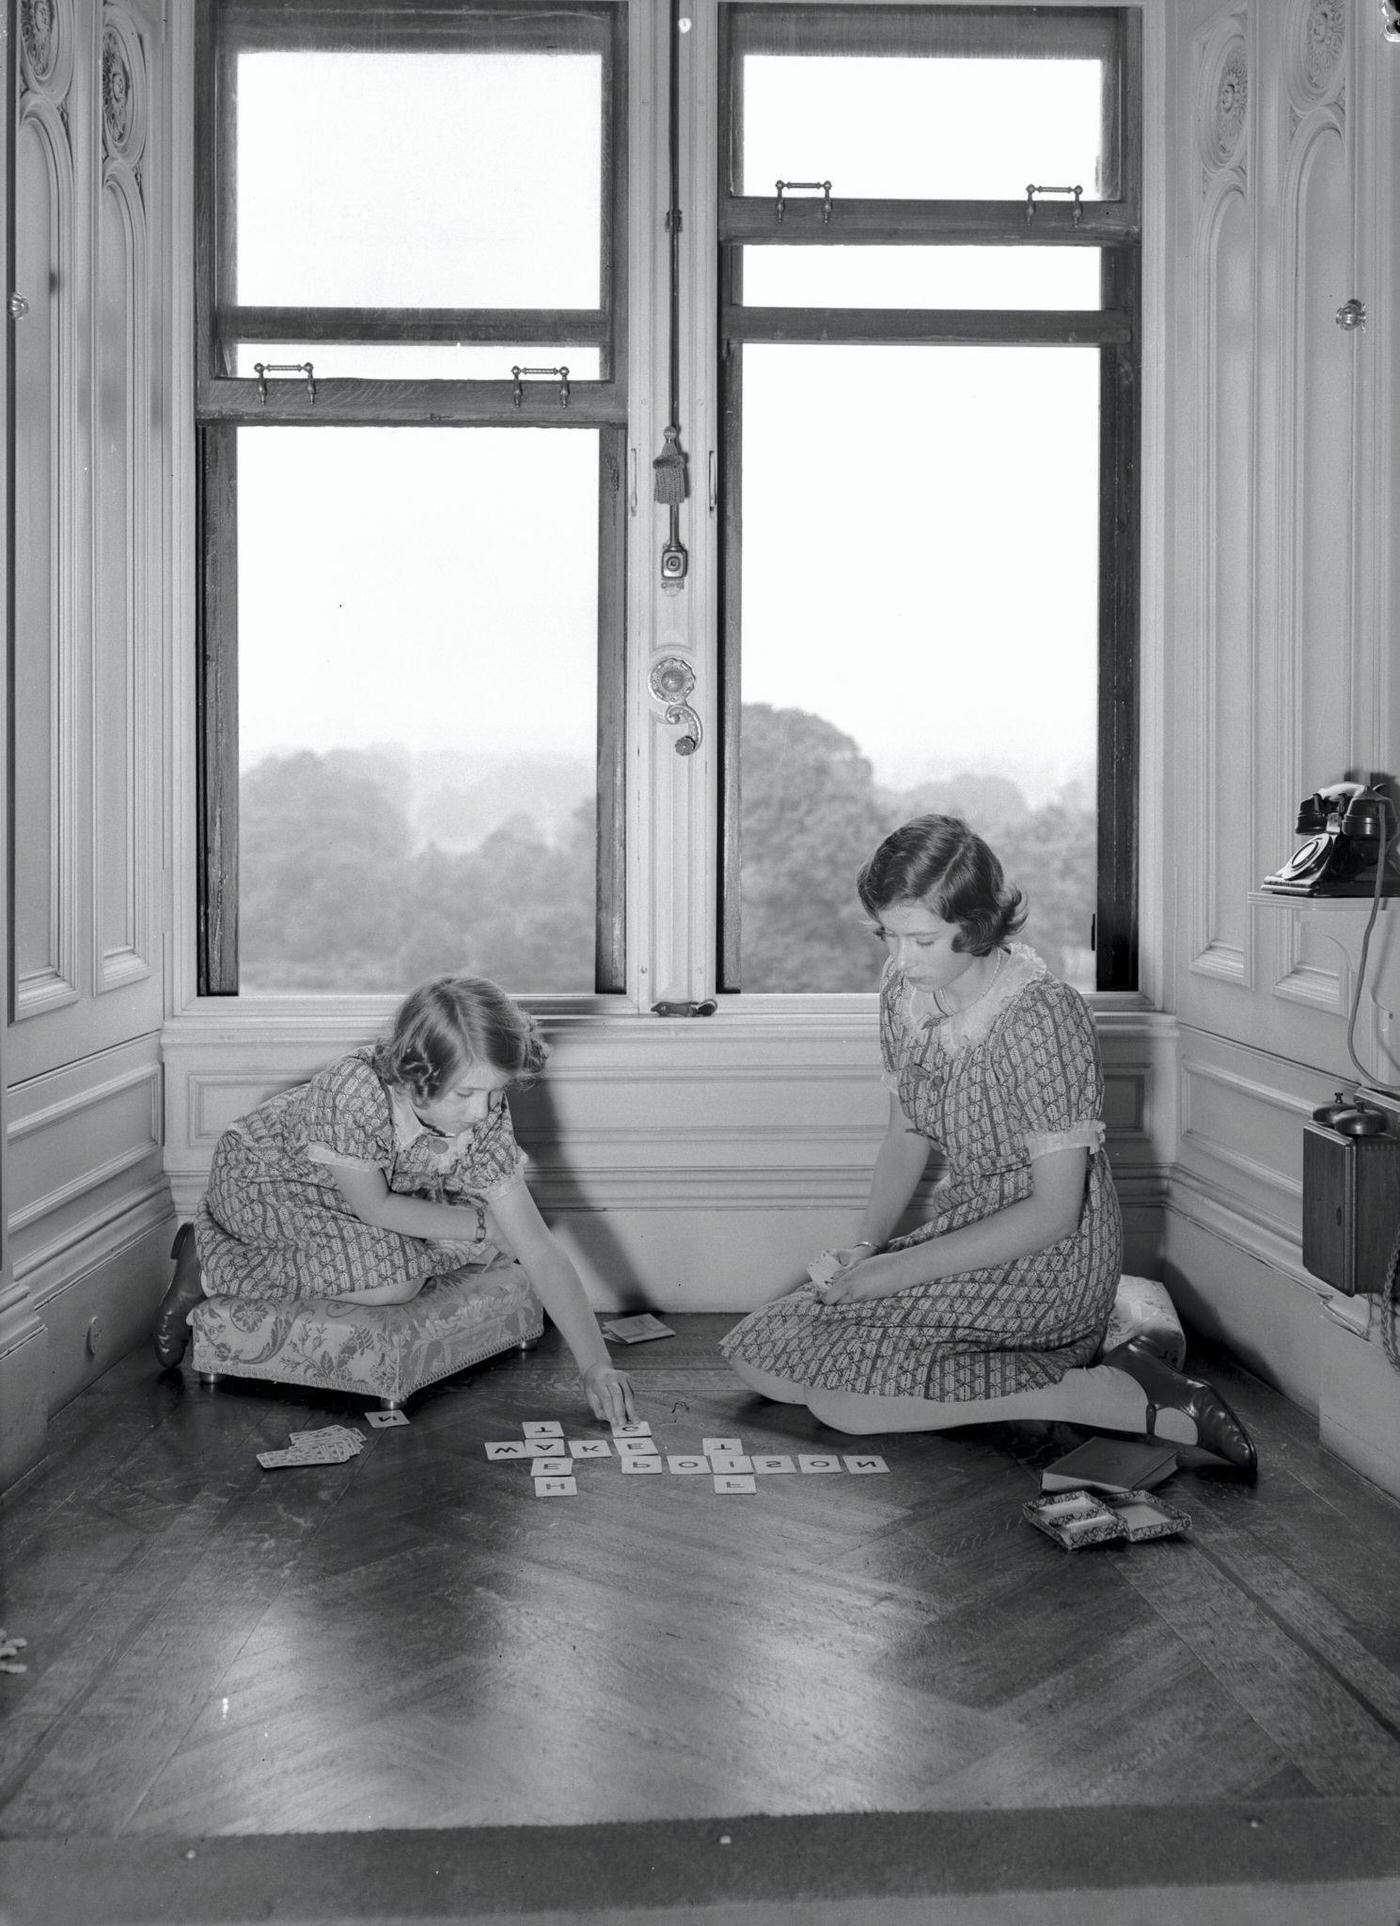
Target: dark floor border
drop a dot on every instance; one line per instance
(168, 1881)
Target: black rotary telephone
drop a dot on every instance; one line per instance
(1350, 830)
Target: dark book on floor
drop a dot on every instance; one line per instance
(1110, 1464)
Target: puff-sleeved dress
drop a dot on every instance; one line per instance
(273, 1224)
(1013, 1076)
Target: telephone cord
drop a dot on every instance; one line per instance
(1388, 1305)
(1373, 1083)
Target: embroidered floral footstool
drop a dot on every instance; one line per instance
(1143, 1309)
(385, 1351)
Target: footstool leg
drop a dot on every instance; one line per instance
(527, 1344)
(388, 1404)
(211, 1378)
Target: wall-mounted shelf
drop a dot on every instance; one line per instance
(1359, 904)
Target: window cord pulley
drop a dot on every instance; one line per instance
(672, 482)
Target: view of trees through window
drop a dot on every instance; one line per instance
(409, 863)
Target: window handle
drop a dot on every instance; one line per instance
(672, 680)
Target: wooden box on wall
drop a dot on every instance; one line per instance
(1351, 1207)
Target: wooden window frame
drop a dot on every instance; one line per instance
(1115, 327)
(225, 402)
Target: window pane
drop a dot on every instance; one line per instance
(400, 179)
(415, 360)
(418, 663)
(921, 128)
(921, 277)
(919, 630)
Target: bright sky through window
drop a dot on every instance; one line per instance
(418, 180)
(919, 558)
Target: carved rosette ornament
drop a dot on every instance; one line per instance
(1319, 36)
(39, 38)
(1223, 104)
(123, 122)
(116, 91)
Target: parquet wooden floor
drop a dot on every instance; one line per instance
(414, 1640)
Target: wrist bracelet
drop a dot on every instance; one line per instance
(864, 1244)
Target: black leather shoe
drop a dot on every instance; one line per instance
(172, 1330)
(1218, 1430)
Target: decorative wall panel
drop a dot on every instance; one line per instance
(48, 454)
(126, 638)
(1318, 385)
(84, 1182)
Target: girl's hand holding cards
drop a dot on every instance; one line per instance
(609, 1394)
(832, 1272)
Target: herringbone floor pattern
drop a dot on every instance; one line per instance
(413, 1640)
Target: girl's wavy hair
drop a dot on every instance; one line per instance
(939, 862)
(455, 1021)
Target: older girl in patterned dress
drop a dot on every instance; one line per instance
(392, 1165)
(996, 1308)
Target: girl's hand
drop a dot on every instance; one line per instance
(609, 1393)
(855, 1279)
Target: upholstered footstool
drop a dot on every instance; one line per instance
(384, 1351)
(1142, 1309)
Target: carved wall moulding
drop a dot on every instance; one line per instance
(1316, 44)
(1223, 102)
(123, 91)
(46, 44)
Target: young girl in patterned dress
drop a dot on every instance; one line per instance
(393, 1164)
(996, 1308)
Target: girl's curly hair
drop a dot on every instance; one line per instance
(940, 862)
(454, 1021)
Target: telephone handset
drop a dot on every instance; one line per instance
(1349, 830)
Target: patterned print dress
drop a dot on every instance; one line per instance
(273, 1224)
(1013, 1076)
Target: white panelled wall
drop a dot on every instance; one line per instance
(86, 1198)
(1281, 137)
(694, 1164)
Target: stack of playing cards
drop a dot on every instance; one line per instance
(637, 1330)
(332, 1444)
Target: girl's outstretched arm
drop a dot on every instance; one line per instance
(551, 1270)
(547, 1264)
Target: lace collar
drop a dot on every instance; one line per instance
(954, 1031)
(409, 1127)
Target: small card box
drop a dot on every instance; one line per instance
(1143, 1514)
(1075, 1519)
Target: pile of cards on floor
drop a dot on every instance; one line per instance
(553, 1458)
(330, 1444)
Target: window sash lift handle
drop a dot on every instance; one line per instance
(1032, 190)
(262, 369)
(785, 187)
(518, 393)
